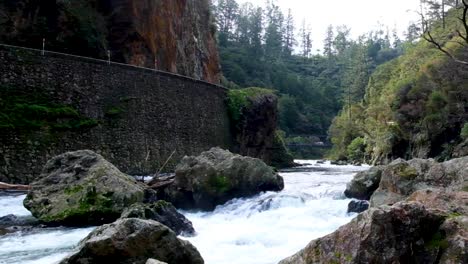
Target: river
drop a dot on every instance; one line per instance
(259, 230)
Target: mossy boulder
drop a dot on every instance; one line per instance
(163, 212)
(81, 188)
(134, 241)
(217, 176)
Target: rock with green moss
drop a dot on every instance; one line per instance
(163, 212)
(81, 188)
(134, 241)
(401, 178)
(217, 176)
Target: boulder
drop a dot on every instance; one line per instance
(163, 212)
(12, 223)
(358, 206)
(81, 188)
(134, 241)
(407, 232)
(363, 185)
(401, 178)
(217, 176)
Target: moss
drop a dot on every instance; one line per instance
(114, 111)
(465, 188)
(437, 241)
(38, 112)
(73, 190)
(453, 215)
(238, 99)
(218, 184)
(406, 171)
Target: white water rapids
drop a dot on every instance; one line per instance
(260, 230)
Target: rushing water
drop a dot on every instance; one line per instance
(260, 230)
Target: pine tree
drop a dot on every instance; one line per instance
(306, 40)
(289, 38)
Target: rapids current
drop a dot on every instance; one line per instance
(259, 230)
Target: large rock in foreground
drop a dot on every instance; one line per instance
(401, 178)
(163, 212)
(407, 232)
(81, 188)
(217, 176)
(134, 241)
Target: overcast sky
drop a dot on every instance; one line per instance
(360, 15)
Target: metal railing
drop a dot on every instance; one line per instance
(44, 52)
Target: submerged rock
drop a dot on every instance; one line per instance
(358, 206)
(12, 223)
(217, 176)
(162, 212)
(81, 188)
(363, 185)
(407, 232)
(134, 241)
(401, 178)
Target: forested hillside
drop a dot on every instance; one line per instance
(263, 47)
(414, 106)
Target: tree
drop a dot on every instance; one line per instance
(273, 32)
(328, 42)
(255, 32)
(306, 40)
(341, 42)
(289, 39)
(461, 33)
(226, 13)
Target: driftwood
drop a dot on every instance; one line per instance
(161, 182)
(13, 187)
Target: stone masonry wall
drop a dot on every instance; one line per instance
(142, 115)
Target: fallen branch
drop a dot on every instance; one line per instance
(160, 182)
(15, 187)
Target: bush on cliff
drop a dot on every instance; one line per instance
(238, 99)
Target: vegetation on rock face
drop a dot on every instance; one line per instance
(35, 112)
(464, 131)
(414, 106)
(238, 99)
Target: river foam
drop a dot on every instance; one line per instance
(271, 226)
(259, 230)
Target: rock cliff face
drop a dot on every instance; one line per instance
(177, 35)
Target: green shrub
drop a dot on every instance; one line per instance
(238, 99)
(464, 132)
(356, 150)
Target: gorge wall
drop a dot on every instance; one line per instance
(134, 117)
(177, 36)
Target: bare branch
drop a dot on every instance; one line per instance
(464, 20)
